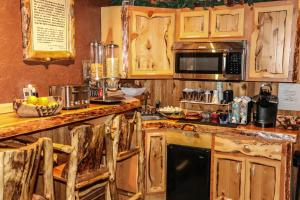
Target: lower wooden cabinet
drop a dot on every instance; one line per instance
(244, 178)
(155, 163)
(246, 169)
(229, 177)
(262, 179)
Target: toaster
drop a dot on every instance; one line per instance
(73, 96)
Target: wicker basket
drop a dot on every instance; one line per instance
(29, 110)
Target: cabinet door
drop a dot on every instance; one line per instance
(156, 163)
(227, 22)
(151, 39)
(262, 179)
(229, 177)
(193, 24)
(271, 43)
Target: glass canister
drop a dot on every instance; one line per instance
(97, 61)
(112, 61)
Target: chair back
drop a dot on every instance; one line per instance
(87, 141)
(19, 168)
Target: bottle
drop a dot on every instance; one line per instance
(220, 91)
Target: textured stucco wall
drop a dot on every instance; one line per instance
(14, 73)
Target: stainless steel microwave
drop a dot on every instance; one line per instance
(210, 60)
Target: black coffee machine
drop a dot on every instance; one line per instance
(265, 107)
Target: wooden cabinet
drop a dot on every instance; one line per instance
(229, 177)
(155, 162)
(227, 22)
(262, 179)
(246, 169)
(272, 44)
(193, 24)
(151, 33)
(145, 36)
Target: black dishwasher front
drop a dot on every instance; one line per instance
(188, 173)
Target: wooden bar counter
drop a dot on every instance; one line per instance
(12, 125)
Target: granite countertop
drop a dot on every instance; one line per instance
(11, 124)
(278, 134)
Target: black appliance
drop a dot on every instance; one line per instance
(188, 173)
(210, 60)
(265, 107)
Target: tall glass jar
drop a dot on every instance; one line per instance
(97, 61)
(112, 60)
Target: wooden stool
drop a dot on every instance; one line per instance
(84, 175)
(19, 169)
(124, 140)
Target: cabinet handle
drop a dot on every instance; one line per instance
(224, 64)
(238, 168)
(253, 170)
(247, 148)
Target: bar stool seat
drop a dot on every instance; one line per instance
(81, 181)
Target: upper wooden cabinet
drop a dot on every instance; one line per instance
(145, 38)
(271, 48)
(193, 24)
(151, 35)
(227, 22)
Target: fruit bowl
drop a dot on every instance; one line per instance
(52, 105)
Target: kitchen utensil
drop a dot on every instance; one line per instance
(107, 100)
(228, 96)
(215, 97)
(266, 106)
(73, 96)
(207, 96)
(214, 118)
(220, 91)
(133, 91)
(223, 118)
(112, 61)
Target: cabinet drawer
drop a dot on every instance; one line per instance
(248, 147)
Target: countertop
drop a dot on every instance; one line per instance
(11, 124)
(278, 134)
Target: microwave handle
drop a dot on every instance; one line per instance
(224, 63)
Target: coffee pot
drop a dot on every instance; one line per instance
(265, 107)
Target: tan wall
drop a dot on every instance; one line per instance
(14, 74)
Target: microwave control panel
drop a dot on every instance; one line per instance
(234, 63)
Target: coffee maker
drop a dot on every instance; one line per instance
(265, 107)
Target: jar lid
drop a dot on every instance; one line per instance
(112, 45)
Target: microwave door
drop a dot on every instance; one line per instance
(199, 63)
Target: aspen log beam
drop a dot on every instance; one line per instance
(141, 157)
(112, 133)
(48, 169)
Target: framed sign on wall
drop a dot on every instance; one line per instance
(48, 29)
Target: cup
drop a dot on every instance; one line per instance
(228, 96)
